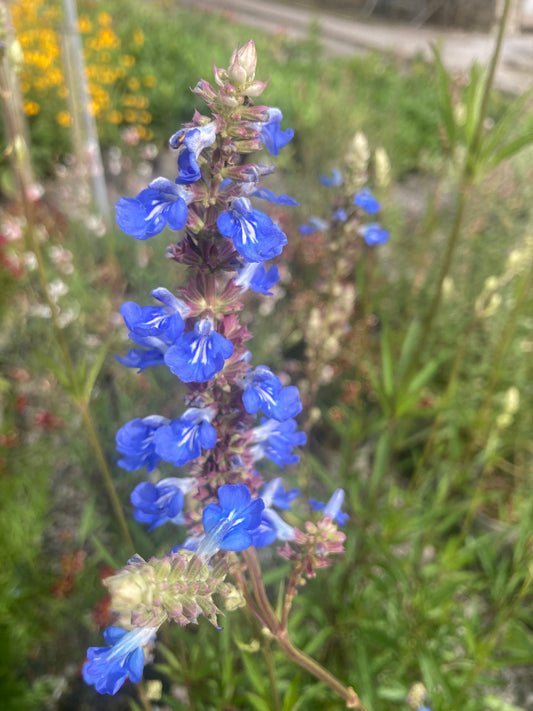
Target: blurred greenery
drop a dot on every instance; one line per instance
(435, 584)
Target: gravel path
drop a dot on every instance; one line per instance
(344, 35)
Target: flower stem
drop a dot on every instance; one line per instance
(281, 635)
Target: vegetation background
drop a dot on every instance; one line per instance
(418, 405)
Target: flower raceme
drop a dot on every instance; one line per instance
(197, 335)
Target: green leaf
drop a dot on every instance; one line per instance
(445, 96)
(57, 369)
(386, 364)
(105, 554)
(409, 344)
(292, 697)
(510, 149)
(258, 702)
(87, 520)
(473, 98)
(94, 372)
(253, 673)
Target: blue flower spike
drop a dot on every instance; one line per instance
(162, 203)
(229, 524)
(108, 668)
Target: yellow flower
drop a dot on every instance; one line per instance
(133, 83)
(114, 117)
(84, 24)
(31, 108)
(62, 92)
(149, 81)
(138, 38)
(128, 60)
(64, 119)
(104, 19)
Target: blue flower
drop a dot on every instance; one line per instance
(109, 667)
(264, 390)
(314, 224)
(255, 276)
(332, 181)
(269, 196)
(340, 215)
(229, 524)
(163, 322)
(271, 528)
(142, 358)
(182, 440)
(162, 203)
(199, 354)
(273, 494)
(136, 440)
(254, 235)
(332, 508)
(275, 440)
(158, 503)
(271, 134)
(374, 233)
(194, 140)
(365, 200)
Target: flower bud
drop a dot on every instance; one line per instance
(242, 64)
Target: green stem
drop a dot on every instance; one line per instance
(318, 671)
(464, 185)
(282, 637)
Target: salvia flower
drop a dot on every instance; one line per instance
(108, 668)
(135, 440)
(229, 524)
(273, 494)
(374, 233)
(366, 201)
(162, 203)
(332, 181)
(271, 134)
(263, 390)
(199, 354)
(193, 140)
(158, 503)
(332, 508)
(182, 440)
(314, 224)
(163, 322)
(255, 276)
(254, 235)
(142, 358)
(275, 440)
